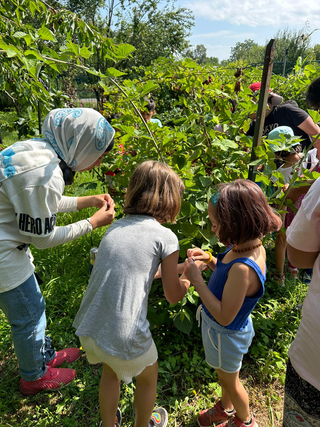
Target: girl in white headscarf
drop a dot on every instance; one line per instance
(33, 175)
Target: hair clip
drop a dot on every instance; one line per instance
(215, 197)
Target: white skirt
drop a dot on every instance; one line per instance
(124, 369)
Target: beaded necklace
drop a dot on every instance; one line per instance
(238, 251)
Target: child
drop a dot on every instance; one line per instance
(112, 319)
(240, 216)
(151, 108)
(286, 162)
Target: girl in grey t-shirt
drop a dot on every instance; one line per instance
(112, 320)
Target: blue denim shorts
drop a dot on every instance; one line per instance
(224, 348)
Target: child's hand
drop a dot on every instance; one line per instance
(201, 265)
(197, 254)
(192, 272)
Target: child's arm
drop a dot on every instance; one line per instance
(174, 287)
(199, 255)
(235, 291)
(301, 259)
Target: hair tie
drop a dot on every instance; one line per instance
(67, 172)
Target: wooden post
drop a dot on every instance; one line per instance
(262, 105)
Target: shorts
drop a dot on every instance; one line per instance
(124, 369)
(301, 401)
(224, 348)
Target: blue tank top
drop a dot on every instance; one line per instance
(216, 286)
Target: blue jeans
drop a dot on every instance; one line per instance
(24, 308)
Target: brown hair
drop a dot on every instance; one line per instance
(243, 213)
(156, 190)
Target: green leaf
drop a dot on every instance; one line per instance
(11, 53)
(256, 162)
(180, 160)
(113, 72)
(225, 144)
(53, 65)
(29, 63)
(201, 206)
(148, 87)
(19, 34)
(33, 53)
(3, 45)
(183, 324)
(123, 50)
(85, 52)
(315, 115)
(28, 39)
(194, 155)
(45, 34)
(264, 179)
(311, 68)
(205, 181)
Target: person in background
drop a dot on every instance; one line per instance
(33, 175)
(287, 114)
(313, 94)
(240, 216)
(285, 161)
(150, 111)
(112, 320)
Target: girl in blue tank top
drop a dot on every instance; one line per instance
(240, 216)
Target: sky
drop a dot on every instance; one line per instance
(220, 24)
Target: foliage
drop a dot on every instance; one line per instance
(32, 56)
(154, 32)
(292, 44)
(248, 51)
(316, 50)
(198, 53)
(193, 146)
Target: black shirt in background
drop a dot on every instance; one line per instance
(285, 115)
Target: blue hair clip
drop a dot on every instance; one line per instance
(215, 197)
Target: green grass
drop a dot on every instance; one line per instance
(186, 383)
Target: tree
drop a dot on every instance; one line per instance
(153, 31)
(198, 53)
(316, 50)
(291, 44)
(37, 44)
(247, 51)
(212, 60)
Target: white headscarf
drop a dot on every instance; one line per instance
(78, 135)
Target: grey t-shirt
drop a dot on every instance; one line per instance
(114, 308)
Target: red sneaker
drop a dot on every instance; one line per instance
(67, 355)
(214, 415)
(236, 422)
(52, 380)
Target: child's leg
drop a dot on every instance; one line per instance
(145, 395)
(234, 394)
(280, 251)
(109, 394)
